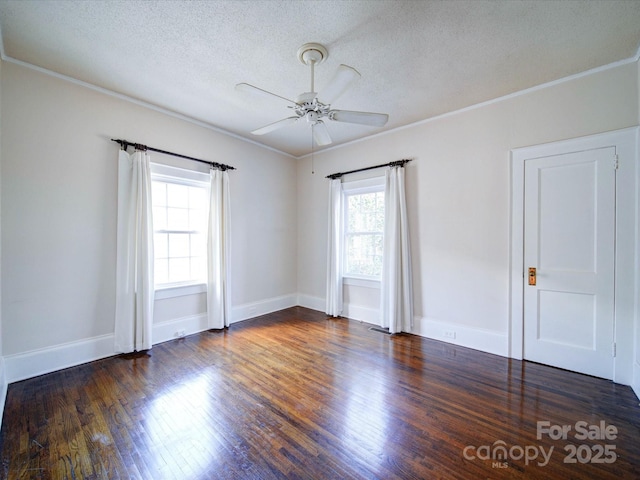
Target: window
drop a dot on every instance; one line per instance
(363, 228)
(180, 207)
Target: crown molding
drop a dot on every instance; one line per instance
(519, 93)
(135, 101)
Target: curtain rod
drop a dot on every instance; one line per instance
(138, 146)
(397, 163)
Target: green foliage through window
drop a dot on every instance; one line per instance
(364, 227)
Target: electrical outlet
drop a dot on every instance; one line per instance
(449, 334)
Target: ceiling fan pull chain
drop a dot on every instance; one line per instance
(313, 170)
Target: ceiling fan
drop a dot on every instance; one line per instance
(314, 107)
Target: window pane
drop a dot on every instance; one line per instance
(199, 268)
(179, 270)
(161, 245)
(378, 243)
(353, 255)
(159, 193)
(177, 195)
(364, 236)
(379, 213)
(198, 220)
(368, 221)
(364, 255)
(351, 209)
(159, 218)
(161, 271)
(365, 212)
(177, 219)
(178, 245)
(199, 245)
(198, 197)
(180, 257)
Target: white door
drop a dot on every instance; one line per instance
(569, 239)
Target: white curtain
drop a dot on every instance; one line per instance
(134, 258)
(334, 254)
(218, 245)
(396, 288)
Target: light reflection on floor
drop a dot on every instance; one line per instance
(366, 418)
(180, 426)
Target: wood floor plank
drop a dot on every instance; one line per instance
(297, 395)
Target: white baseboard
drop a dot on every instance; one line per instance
(46, 360)
(262, 307)
(3, 389)
(354, 312)
(50, 359)
(635, 384)
(311, 302)
(30, 364)
(479, 339)
(487, 341)
(362, 314)
(179, 327)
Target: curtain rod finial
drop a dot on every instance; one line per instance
(123, 143)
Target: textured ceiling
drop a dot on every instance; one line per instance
(418, 59)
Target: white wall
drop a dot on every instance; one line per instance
(636, 363)
(458, 194)
(3, 380)
(59, 219)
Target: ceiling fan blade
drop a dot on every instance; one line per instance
(340, 83)
(248, 88)
(320, 133)
(362, 118)
(275, 125)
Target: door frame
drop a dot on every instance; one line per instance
(625, 142)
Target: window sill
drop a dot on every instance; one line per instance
(172, 291)
(361, 282)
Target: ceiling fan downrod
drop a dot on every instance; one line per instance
(312, 54)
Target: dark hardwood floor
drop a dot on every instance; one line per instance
(297, 395)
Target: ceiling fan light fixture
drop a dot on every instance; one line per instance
(312, 117)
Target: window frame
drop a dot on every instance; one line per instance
(191, 178)
(350, 188)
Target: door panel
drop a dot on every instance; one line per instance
(560, 312)
(566, 211)
(569, 234)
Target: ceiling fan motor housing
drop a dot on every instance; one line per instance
(312, 110)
